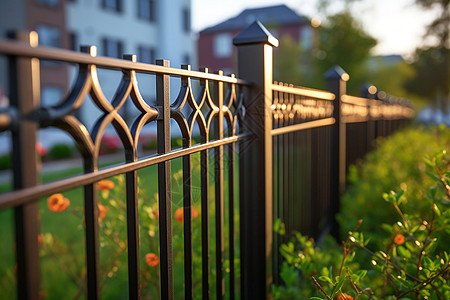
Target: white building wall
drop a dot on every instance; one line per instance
(91, 23)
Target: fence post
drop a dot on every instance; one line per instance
(337, 79)
(25, 97)
(255, 65)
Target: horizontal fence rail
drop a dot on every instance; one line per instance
(266, 150)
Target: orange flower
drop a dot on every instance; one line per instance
(102, 210)
(194, 213)
(41, 149)
(399, 239)
(40, 239)
(344, 296)
(57, 203)
(152, 259)
(179, 214)
(103, 185)
(156, 214)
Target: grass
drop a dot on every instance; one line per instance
(62, 256)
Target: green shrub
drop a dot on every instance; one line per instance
(60, 151)
(412, 263)
(396, 164)
(5, 162)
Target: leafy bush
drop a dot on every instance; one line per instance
(396, 164)
(413, 263)
(409, 258)
(60, 151)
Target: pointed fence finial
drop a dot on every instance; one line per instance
(256, 33)
(337, 72)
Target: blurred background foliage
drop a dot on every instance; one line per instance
(341, 39)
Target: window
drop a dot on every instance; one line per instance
(186, 59)
(51, 3)
(222, 45)
(114, 5)
(73, 41)
(49, 35)
(50, 95)
(147, 10)
(306, 37)
(146, 54)
(186, 20)
(112, 48)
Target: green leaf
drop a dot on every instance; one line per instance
(278, 227)
(436, 210)
(326, 279)
(387, 227)
(433, 191)
(431, 175)
(429, 163)
(338, 286)
(404, 252)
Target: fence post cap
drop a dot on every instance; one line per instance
(368, 90)
(337, 72)
(256, 33)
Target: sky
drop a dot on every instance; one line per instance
(398, 25)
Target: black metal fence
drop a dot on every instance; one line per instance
(292, 145)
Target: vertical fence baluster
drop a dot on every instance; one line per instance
(219, 205)
(164, 182)
(204, 165)
(25, 97)
(91, 217)
(91, 220)
(231, 171)
(133, 235)
(276, 189)
(336, 82)
(204, 183)
(132, 221)
(187, 209)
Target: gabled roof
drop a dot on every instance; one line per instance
(271, 15)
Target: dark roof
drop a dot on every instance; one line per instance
(271, 15)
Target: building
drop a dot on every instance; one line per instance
(215, 44)
(150, 29)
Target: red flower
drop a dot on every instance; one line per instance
(179, 214)
(399, 239)
(105, 185)
(57, 203)
(152, 259)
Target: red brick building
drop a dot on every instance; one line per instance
(215, 44)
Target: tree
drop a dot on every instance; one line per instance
(341, 40)
(391, 77)
(432, 64)
(432, 81)
(440, 27)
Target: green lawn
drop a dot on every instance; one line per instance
(62, 254)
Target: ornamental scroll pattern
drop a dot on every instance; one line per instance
(290, 109)
(203, 110)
